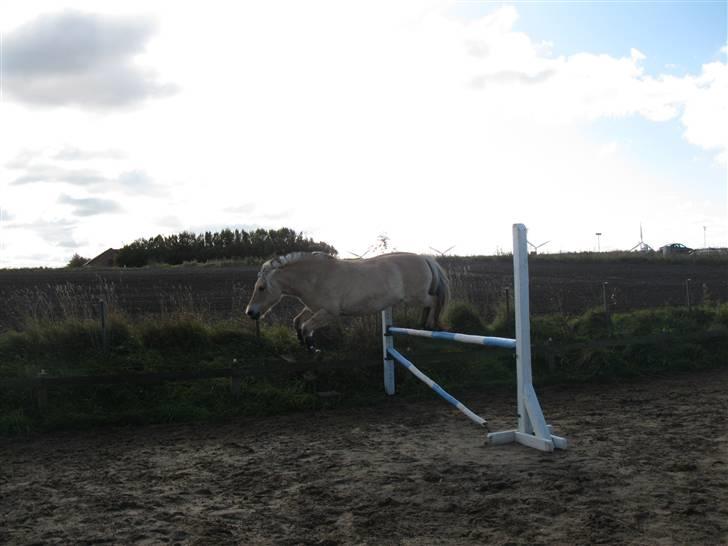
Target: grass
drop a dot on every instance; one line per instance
(185, 340)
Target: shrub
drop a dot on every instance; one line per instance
(15, 422)
(504, 321)
(462, 317)
(183, 334)
(77, 261)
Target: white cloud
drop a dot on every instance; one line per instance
(706, 110)
(80, 59)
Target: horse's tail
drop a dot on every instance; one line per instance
(440, 288)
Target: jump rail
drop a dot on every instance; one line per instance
(532, 429)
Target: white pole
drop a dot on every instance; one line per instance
(388, 343)
(523, 326)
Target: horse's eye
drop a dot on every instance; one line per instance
(261, 288)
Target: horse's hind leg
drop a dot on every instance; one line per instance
(429, 313)
(298, 322)
(424, 322)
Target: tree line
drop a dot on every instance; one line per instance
(225, 244)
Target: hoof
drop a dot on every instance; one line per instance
(310, 345)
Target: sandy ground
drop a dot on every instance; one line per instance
(648, 464)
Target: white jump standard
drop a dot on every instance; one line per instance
(532, 429)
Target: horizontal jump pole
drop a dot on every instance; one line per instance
(503, 342)
(435, 387)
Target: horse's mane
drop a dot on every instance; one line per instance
(294, 257)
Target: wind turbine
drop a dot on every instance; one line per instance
(641, 246)
(442, 252)
(360, 256)
(536, 247)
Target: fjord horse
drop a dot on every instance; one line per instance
(330, 288)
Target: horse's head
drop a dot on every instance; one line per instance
(266, 293)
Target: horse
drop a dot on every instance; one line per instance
(329, 288)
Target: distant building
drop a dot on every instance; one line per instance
(710, 251)
(106, 259)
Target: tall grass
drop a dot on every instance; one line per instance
(60, 335)
(28, 307)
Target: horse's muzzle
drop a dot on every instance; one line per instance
(253, 313)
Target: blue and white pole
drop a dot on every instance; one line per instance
(437, 388)
(503, 342)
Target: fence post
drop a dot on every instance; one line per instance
(607, 316)
(235, 379)
(388, 343)
(41, 392)
(687, 294)
(551, 356)
(508, 305)
(104, 333)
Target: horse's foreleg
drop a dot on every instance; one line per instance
(298, 321)
(318, 319)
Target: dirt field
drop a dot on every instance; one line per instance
(648, 464)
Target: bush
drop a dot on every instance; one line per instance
(77, 261)
(183, 334)
(462, 317)
(504, 322)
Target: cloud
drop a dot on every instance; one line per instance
(55, 232)
(89, 206)
(70, 153)
(135, 182)
(23, 159)
(50, 173)
(245, 208)
(138, 182)
(512, 77)
(705, 116)
(6, 215)
(79, 59)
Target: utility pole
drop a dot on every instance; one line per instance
(705, 244)
(599, 247)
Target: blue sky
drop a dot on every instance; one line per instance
(675, 36)
(436, 123)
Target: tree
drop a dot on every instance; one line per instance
(77, 261)
(186, 246)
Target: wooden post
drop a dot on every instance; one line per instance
(235, 379)
(605, 302)
(523, 325)
(687, 294)
(104, 333)
(551, 356)
(508, 306)
(41, 392)
(388, 343)
(532, 429)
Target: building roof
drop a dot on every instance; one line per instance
(106, 259)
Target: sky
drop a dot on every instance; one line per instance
(436, 123)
